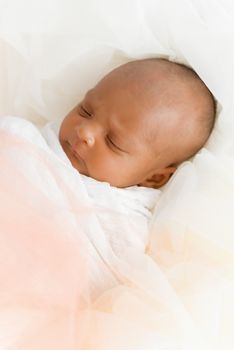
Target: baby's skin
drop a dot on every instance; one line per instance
(139, 123)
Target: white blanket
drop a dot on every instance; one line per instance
(62, 244)
(74, 272)
(122, 215)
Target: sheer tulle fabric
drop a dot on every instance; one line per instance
(43, 270)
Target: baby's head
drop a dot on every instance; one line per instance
(139, 123)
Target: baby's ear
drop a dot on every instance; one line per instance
(160, 178)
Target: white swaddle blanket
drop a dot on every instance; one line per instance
(123, 214)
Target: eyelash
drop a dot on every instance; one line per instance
(110, 142)
(83, 110)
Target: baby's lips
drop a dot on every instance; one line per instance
(76, 152)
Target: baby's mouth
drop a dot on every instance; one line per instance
(76, 154)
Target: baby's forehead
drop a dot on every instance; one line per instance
(141, 107)
(122, 106)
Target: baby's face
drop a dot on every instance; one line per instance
(138, 123)
(107, 135)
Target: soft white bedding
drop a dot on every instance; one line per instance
(122, 215)
(69, 259)
(179, 296)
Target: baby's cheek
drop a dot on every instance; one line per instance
(123, 173)
(108, 168)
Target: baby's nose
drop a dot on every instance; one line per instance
(86, 135)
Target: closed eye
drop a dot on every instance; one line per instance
(84, 113)
(114, 145)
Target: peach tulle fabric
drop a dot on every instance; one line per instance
(43, 271)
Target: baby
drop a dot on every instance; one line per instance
(133, 128)
(139, 123)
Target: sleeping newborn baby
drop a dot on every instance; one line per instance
(139, 123)
(116, 148)
(132, 130)
(124, 140)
